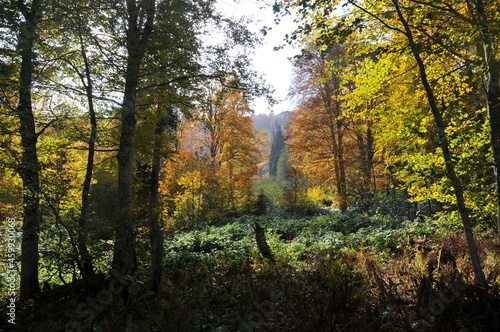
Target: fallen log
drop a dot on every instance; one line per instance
(89, 284)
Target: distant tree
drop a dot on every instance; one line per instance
(283, 165)
(277, 149)
(218, 160)
(233, 144)
(318, 129)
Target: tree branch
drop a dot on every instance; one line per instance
(376, 17)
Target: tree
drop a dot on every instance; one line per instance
(88, 85)
(324, 132)
(397, 20)
(473, 27)
(168, 124)
(141, 41)
(232, 146)
(75, 24)
(443, 141)
(486, 20)
(75, 57)
(217, 161)
(283, 165)
(140, 18)
(277, 150)
(29, 167)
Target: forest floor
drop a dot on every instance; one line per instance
(332, 272)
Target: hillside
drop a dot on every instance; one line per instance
(267, 121)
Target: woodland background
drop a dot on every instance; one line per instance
(137, 173)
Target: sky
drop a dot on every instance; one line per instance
(275, 65)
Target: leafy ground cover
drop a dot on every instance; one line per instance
(333, 272)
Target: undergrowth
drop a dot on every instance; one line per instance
(333, 272)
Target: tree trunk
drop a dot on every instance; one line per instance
(369, 153)
(492, 63)
(156, 236)
(365, 160)
(29, 168)
(124, 258)
(337, 151)
(342, 187)
(86, 258)
(91, 284)
(494, 118)
(480, 279)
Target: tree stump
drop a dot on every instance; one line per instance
(260, 236)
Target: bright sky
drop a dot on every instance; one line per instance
(273, 64)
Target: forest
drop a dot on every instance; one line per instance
(137, 194)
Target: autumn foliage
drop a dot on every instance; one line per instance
(331, 143)
(211, 174)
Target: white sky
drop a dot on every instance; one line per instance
(273, 64)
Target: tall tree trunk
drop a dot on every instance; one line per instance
(29, 168)
(492, 64)
(337, 147)
(342, 187)
(124, 258)
(86, 258)
(494, 118)
(156, 236)
(369, 155)
(480, 279)
(365, 146)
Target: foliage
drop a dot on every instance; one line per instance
(330, 141)
(211, 175)
(294, 236)
(354, 270)
(381, 76)
(277, 152)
